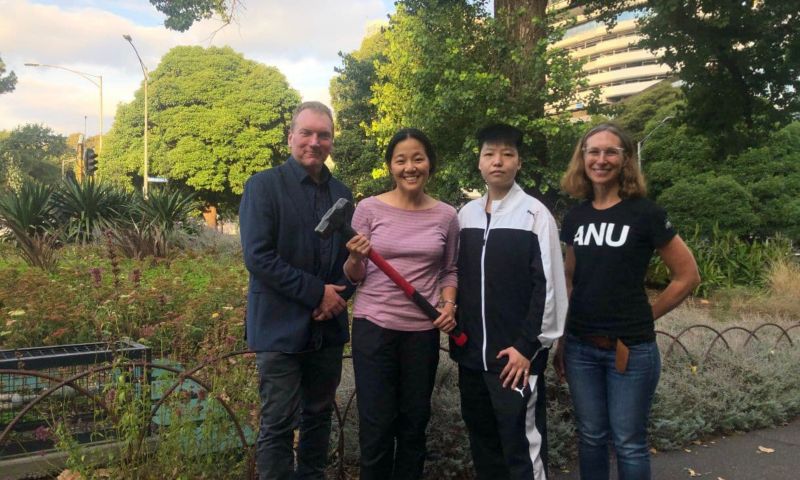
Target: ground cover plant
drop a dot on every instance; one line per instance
(189, 307)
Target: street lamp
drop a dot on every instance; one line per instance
(641, 142)
(87, 76)
(146, 80)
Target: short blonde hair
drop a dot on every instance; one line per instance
(632, 183)
(315, 106)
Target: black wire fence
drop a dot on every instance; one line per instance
(67, 388)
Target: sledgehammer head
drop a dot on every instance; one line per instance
(335, 219)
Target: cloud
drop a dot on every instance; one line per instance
(302, 38)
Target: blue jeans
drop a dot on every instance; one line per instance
(614, 405)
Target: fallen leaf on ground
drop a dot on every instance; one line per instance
(765, 449)
(70, 475)
(692, 473)
(687, 450)
(720, 478)
(696, 442)
(653, 451)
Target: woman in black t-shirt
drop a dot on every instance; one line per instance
(609, 354)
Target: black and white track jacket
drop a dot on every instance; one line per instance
(511, 287)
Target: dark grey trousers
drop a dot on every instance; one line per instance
(297, 390)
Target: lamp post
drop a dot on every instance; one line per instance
(641, 142)
(87, 76)
(146, 81)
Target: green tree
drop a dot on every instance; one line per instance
(215, 117)
(674, 153)
(7, 82)
(708, 200)
(772, 176)
(653, 104)
(181, 14)
(357, 155)
(446, 71)
(739, 60)
(30, 152)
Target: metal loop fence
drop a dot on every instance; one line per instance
(696, 343)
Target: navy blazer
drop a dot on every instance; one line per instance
(277, 233)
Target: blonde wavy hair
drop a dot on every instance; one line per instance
(631, 181)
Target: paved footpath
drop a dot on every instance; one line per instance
(771, 454)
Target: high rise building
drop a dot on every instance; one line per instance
(614, 63)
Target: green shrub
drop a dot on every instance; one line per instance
(707, 201)
(28, 216)
(725, 260)
(151, 225)
(92, 296)
(87, 208)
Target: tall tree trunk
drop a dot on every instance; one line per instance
(525, 26)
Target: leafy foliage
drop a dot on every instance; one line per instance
(753, 193)
(708, 200)
(740, 61)
(772, 176)
(652, 105)
(41, 218)
(7, 82)
(28, 216)
(181, 14)
(151, 225)
(215, 119)
(727, 261)
(30, 152)
(87, 208)
(447, 69)
(94, 295)
(357, 155)
(190, 309)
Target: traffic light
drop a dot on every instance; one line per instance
(89, 161)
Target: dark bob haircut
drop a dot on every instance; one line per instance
(500, 134)
(405, 134)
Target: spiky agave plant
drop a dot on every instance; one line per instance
(28, 217)
(165, 213)
(87, 208)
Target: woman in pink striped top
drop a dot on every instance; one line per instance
(395, 345)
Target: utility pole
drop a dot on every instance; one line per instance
(88, 76)
(146, 81)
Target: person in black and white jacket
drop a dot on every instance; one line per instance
(512, 306)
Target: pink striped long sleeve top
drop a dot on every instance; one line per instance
(420, 244)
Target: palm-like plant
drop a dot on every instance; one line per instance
(88, 208)
(151, 224)
(28, 217)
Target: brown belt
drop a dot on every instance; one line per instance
(608, 343)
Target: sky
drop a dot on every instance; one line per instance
(302, 38)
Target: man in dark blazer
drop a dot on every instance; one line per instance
(297, 301)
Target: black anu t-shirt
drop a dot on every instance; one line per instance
(612, 249)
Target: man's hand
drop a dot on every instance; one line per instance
(516, 370)
(332, 303)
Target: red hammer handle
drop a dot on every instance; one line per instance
(459, 337)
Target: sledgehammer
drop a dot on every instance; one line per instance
(335, 220)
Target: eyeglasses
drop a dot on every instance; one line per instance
(611, 153)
